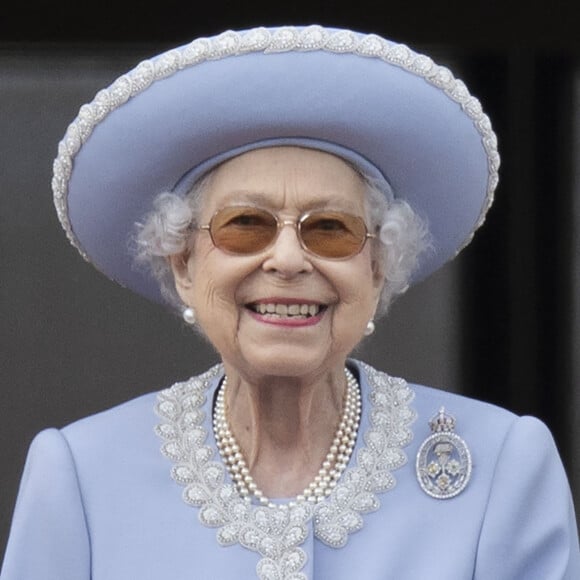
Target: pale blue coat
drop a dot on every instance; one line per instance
(97, 501)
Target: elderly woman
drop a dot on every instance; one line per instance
(277, 185)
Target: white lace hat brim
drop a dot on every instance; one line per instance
(394, 113)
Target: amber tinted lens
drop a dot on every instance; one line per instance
(333, 234)
(243, 230)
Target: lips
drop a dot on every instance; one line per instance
(284, 310)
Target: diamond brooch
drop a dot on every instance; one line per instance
(443, 463)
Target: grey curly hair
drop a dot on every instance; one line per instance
(166, 230)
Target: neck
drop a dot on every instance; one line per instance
(285, 427)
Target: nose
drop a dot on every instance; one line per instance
(286, 255)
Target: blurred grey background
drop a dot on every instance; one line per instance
(500, 323)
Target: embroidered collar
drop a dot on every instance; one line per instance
(276, 533)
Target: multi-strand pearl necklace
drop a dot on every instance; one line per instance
(332, 467)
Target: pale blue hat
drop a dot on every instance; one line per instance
(392, 112)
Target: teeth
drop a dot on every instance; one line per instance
(287, 309)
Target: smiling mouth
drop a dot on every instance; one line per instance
(287, 310)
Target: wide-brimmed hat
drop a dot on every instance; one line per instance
(392, 112)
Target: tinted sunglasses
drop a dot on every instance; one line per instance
(246, 230)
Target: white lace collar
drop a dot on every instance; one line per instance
(276, 533)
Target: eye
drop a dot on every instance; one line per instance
(326, 223)
(329, 224)
(245, 218)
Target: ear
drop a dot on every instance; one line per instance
(181, 275)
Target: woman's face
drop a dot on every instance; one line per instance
(230, 292)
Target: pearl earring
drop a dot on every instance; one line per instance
(370, 328)
(188, 315)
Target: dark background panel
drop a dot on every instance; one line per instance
(476, 24)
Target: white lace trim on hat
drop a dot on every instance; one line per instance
(276, 533)
(263, 40)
